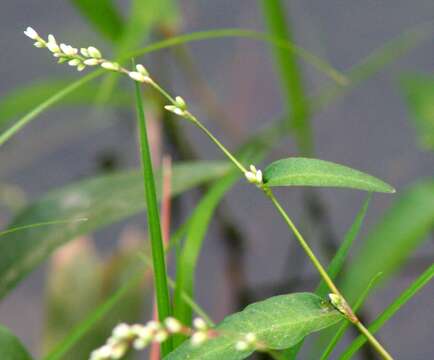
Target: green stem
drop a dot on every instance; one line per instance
(154, 228)
(374, 342)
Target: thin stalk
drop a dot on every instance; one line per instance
(154, 228)
(374, 342)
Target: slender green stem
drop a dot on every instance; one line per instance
(374, 342)
(158, 256)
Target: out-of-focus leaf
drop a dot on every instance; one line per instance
(419, 93)
(412, 290)
(73, 290)
(314, 172)
(404, 226)
(102, 200)
(290, 75)
(25, 98)
(103, 15)
(11, 347)
(278, 323)
(187, 259)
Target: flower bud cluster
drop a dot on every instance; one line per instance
(179, 107)
(254, 176)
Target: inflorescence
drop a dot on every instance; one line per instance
(139, 336)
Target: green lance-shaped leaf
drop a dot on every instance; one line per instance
(11, 347)
(278, 323)
(101, 200)
(299, 171)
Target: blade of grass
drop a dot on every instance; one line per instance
(411, 291)
(344, 326)
(154, 228)
(44, 223)
(290, 76)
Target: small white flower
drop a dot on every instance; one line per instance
(153, 325)
(110, 65)
(135, 75)
(174, 109)
(173, 325)
(31, 33)
(39, 44)
(52, 44)
(241, 345)
(180, 102)
(94, 52)
(81, 67)
(259, 177)
(84, 52)
(68, 50)
(122, 331)
(254, 176)
(200, 324)
(74, 62)
(161, 336)
(142, 70)
(91, 62)
(199, 338)
(119, 350)
(140, 344)
(250, 176)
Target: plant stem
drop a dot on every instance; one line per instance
(158, 256)
(374, 342)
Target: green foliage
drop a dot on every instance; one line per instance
(411, 291)
(11, 347)
(402, 228)
(278, 323)
(314, 172)
(102, 200)
(419, 93)
(164, 307)
(103, 15)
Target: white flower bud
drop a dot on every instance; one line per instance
(199, 338)
(250, 176)
(180, 102)
(200, 324)
(259, 177)
(91, 62)
(153, 325)
(253, 168)
(140, 344)
(135, 75)
(122, 331)
(173, 325)
(241, 345)
(81, 67)
(74, 62)
(52, 44)
(142, 70)
(31, 33)
(174, 109)
(84, 52)
(94, 52)
(119, 350)
(68, 50)
(38, 44)
(161, 336)
(110, 66)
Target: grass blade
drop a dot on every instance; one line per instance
(341, 255)
(153, 216)
(11, 347)
(411, 291)
(290, 76)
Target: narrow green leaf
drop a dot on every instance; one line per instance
(27, 97)
(164, 307)
(291, 77)
(278, 323)
(412, 290)
(52, 100)
(187, 259)
(403, 227)
(341, 255)
(103, 15)
(101, 200)
(344, 326)
(419, 93)
(314, 172)
(11, 347)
